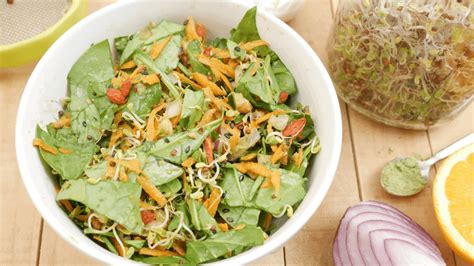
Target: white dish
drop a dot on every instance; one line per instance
(47, 86)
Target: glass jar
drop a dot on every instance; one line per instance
(407, 63)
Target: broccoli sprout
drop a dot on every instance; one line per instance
(407, 63)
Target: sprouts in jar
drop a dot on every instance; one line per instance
(407, 63)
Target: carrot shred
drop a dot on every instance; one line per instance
(123, 175)
(119, 249)
(268, 221)
(157, 252)
(224, 227)
(151, 126)
(205, 82)
(240, 227)
(248, 157)
(266, 184)
(43, 146)
(63, 121)
(217, 64)
(152, 190)
(213, 201)
(157, 48)
(146, 206)
(128, 65)
(190, 30)
(279, 153)
(218, 103)
(276, 182)
(298, 157)
(226, 82)
(188, 162)
(220, 53)
(180, 247)
(253, 44)
(207, 117)
(150, 79)
(64, 151)
(110, 172)
(260, 170)
(186, 80)
(132, 165)
(267, 116)
(208, 149)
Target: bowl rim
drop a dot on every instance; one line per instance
(286, 231)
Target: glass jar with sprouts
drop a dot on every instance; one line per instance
(406, 63)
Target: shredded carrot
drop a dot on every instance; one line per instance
(234, 139)
(267, 116)
(133, 165)
(279, 153)
(220, 53)
(188, 162)
(205, 82)
(213, 62)
(224, 227)
(117, 118)
(253, 44)
(213, 201)
(64, 121)
(190, 30)
(152, 190)
(254, 70)
(157, 48)
(180, 247)
(128, 65)
(248, 157)
(208, 149)
(64, 151)
(207, 117)
(175, 120)
(266, 184)
(298, 157)
(186, 80)
(240, 227)
(274, 148)
(276, 182)
(146, 206)
(233, 63)
(157, 252)
(136, 72)
(151, 132)
(268, 221)
(123, 175)
(116, 135)
(119, 249)
(43, 146)
(110, 172)
(226, 82)
(255, 168)
(150, 79)
(218, 103)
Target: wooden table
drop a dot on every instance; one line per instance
(367, 146)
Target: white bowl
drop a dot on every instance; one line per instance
(47, 86)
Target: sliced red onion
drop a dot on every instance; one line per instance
(365, 229)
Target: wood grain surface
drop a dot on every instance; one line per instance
(367, 146)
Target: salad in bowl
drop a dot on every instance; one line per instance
(177, 148)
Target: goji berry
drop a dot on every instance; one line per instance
(283, 97)
(147, 216)
(115, 96)
(201, 30)
(125, 87)
(208, 149)
(207, 51)
(294, 128)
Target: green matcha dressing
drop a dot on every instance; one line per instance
(402, 177)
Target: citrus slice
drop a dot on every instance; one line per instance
(453, 198)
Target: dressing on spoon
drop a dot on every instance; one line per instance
(408, 176)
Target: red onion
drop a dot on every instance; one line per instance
(374, 233)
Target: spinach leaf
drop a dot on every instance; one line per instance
(224, 243)
(94, 66)
(236, 216)
(109, 244)
(151, 65)
(200, 217)
(193, 49)
(247, 31)
(193, 105)
(235, 51)
(169, 57)
(120, 43)
(164, 29)
(178, 147)
(171, 188)
(141, 102)
(96, 92)
(292, 191)
(68, 166)
(256, 85)
(218, 42)
(134, 243)
(270, 76)
(96, 171)
(237, 187)
(172, 260)
(116, 200)
(284, 77)
(181, 207)
(160, 171)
